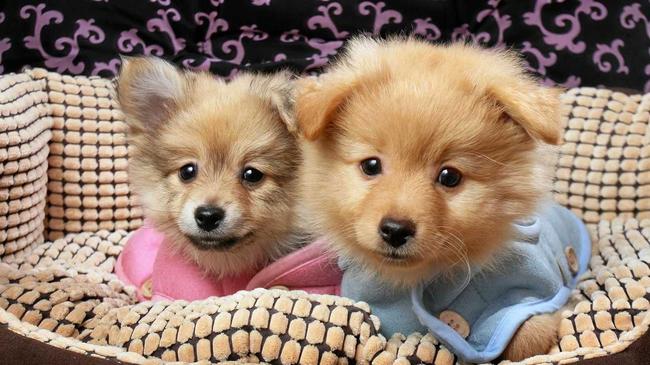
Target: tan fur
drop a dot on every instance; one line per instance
(419, 108)
(177, 117)
(535, 336)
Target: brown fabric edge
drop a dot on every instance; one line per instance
(16, 349)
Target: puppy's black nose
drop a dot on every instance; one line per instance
(208, 217)
(396, 232)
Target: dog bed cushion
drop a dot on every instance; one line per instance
(64, 291)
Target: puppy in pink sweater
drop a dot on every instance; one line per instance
(214, 166)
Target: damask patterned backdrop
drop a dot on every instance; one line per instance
(571, 43)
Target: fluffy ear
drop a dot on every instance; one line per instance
(318, 101)
(149, 90)
(278, 89)
(534, 107)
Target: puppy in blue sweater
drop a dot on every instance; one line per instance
(428, 168)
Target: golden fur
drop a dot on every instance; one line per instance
(177, 117)
(419, 108)
(535, 336)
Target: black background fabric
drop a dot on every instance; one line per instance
(584, 43)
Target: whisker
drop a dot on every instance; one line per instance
(164, 210)
(487, 158)
(457, 248)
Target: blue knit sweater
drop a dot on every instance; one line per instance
(475, 312)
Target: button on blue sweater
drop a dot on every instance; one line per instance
(533, 274)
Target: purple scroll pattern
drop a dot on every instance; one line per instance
(562, 42)
(5, 43)
(68, 46)
(569, 24)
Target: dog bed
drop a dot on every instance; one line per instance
(66, 210)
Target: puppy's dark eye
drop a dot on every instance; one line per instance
(449, 177)
(252, 175)
(371, 166)
(188, 172)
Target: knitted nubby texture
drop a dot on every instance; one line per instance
(604, 169)
(63, 292)
(88, 184)
(24, 134)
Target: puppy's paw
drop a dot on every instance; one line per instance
(536, 336)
